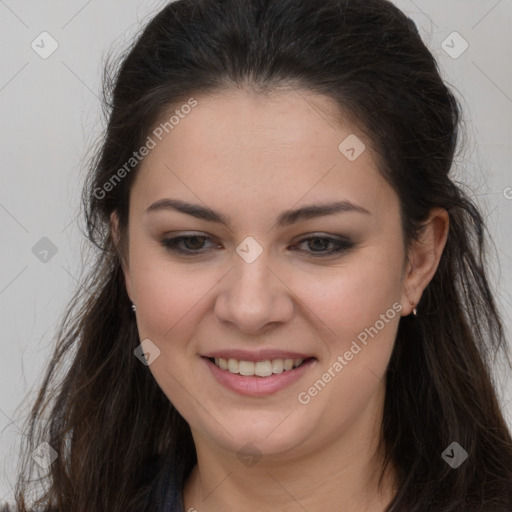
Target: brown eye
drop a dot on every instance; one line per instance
(318, 245)
(194, 242)
(186, 244)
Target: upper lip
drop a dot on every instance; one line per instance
(257, 355)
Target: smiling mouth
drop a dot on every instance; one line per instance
(258, 368)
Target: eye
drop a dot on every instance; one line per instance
(319, 244)
(193, 243)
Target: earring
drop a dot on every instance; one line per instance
(134, 307)
(414, 311)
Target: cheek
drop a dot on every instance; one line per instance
(353, 297)
(362, 326)
(168, 295)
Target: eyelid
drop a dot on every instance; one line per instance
(170, 243)
(343, 243)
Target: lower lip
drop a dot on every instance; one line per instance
(258, 386)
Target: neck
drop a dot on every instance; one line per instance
(343, 470)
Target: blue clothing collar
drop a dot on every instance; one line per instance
(167, 495)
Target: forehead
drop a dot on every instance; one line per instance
(263, 149)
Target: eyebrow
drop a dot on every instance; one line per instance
(286, 218)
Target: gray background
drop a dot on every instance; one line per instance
(50, 117)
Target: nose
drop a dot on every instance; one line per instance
(253, 297)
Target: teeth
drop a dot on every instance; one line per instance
(245, 368)
(263, 368)
(277, 366)
(259, 368)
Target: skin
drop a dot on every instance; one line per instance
(250, 157)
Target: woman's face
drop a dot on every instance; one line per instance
(266, 275)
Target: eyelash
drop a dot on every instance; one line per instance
(171, 244)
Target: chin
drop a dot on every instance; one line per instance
(271, 436)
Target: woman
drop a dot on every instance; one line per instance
(290, 308)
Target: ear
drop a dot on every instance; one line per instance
(423, 258)
(123, 255)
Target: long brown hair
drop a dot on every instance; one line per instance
(103, 412)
